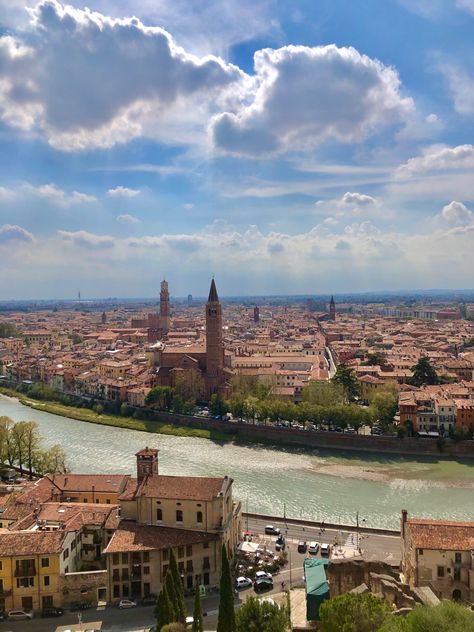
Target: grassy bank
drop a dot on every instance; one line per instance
(90, 416)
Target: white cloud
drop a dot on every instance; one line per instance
(57, 196)
(122, 192)
(127, 219)
(148, 76)
(358, 199)
(12, 232)
(188, 206)
(461, 85)
(304, 95)
(438, 158)
(84, 239)
(467, 5)
(456, 213)
(6, 194)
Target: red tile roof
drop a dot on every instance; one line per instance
(182, 487)
(30, 542)
(441, 535)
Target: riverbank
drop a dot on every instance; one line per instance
(104, 419)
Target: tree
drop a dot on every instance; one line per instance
(8, 330)
(178, 603)
(445, 617)
(163, 610)
(423, 373)
(375, 359)
(32, 442)
(189, 388)
(173, 627)
(160, 397)
(226, 617)
(19, 435)
(260, 616)
(218, 405)
(198, 625)
(7, 442)
(353, 613)
(384, 403)
(346, 378)
(323, 393)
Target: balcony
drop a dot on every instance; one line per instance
(25, 571)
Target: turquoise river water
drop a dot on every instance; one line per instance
(313, 484)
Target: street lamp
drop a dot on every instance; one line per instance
(357, 531)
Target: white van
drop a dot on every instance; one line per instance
(313, 548)
(325, 549)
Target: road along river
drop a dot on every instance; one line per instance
(308, 484)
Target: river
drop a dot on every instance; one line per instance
(312, 484)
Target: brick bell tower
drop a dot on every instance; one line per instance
(214, 345)
(332, 309)
(147, 463)
(164, 307)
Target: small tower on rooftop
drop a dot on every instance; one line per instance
(147, 463)
(332, 309)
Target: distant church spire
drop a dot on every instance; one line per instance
(213, 298)
(332, 309)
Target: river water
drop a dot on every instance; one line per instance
(313, 484)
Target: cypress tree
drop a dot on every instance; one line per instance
(172, 594)
(180, 606)
(226, 618)
(197, 612)
(162, 610)
(169, 605)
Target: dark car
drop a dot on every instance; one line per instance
(302, 547)
(263, 584)
(3, 616)
(280, 543)
(52, 612)
(81, 605)
(149, 600)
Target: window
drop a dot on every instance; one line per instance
(1, 585)
(159, 514)
(189, 582)
(180, 551)
(420, 551)
(146, 570)
(85, 500)
(205, 545)
(45, 562)
(165, 555)
(25, 582)
(179, 515)
(116, 575)
(146, 556)
(457, 575)
(65, 554)
(440, 571)
(199, 516)
(181, 567)
(205, 563)
(125, 590)
(457, 558)
(46, 580)
(115, 558)
(165, 570)
(189, 566)
(189, 550)
(206, 579)
(108, 501)
(1, 565)
(125, 574)
(116, 591)
(124, 558)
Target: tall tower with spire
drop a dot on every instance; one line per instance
(214, 344)
(164, 307)
(332, 309)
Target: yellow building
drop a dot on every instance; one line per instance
(30, 567)
(87, 488)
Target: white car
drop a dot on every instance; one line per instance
(127, 603)
(20, 614)
(313, 548)
(271, 530)
(325, 549)
(263, 575)
(241, 583)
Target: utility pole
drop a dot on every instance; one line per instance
(247, 504)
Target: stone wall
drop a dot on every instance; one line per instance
(84, 586)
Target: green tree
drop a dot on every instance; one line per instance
(374, 359)
(198, 625)
(174, 627)
(7, 441)
(323, 393)
(189, 388)
(179, 605)
(8, 330)
(163, 611)
(445, 617)
(423, 373)
(160, 397)
(172, 593)
(353, 613)
(260, 616)
(218, 405)
(346, 378)
(384, 404)
(237, 406)
(226, 617)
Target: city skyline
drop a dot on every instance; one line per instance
(290, 150)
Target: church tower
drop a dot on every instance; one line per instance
(147, 463)
(164, 307)
(214, 345)
(332, 309)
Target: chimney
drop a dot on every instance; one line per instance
(404, 521)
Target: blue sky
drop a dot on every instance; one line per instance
(286, 147)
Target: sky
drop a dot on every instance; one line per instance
(311, 146)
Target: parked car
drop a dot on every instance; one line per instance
(325, 549)
(19, 614)
(302, 547)
(271, 530)
(262, 585)
(263, 575)
(313, 548)
(52, 612)
(127, 603)
(149, 600)
(242, 583)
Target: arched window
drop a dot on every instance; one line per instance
(199, 516)
(179, 515)
(159, 514)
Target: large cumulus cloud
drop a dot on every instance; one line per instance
(90, 80)
(305, 95)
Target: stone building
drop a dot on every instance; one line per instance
(439, 554)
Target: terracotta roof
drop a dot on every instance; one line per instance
(182, 487)
(30, 542)
(85, 482)
(441, 535)
(131, 536)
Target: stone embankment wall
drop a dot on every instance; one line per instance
(331, 440)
